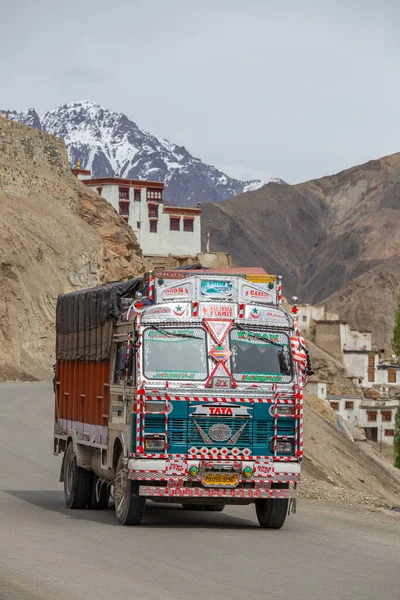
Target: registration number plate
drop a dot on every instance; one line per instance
(220, 479)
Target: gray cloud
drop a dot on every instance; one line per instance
(263, 88)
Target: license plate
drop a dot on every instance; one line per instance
(220, 479)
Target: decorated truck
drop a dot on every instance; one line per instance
(182, 386)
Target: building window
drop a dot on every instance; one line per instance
(335, 405)
(138, 225)
(123, 193)
(174, 223)
(153, 210)
(387, 415)
(304, 318)
(154, 195)
(153, 226)
(349, 405)
(371, 375)
(391, 376)
(99, 190)
(389, 432)
(371, 360)
(137, 195)
(187, 224)
(124, 209)
(371, 416)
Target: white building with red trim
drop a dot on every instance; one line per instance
(161, 230)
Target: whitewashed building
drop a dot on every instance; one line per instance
(318, 389)
(348, 407)
(161, 230)
(375, 417)
(310, 314)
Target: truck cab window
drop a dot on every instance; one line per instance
(260, 356)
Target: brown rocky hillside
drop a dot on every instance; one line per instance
(55, 236)
(329, 238)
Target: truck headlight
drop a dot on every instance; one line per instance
(154, 443)
(285, 410)
(283, 446)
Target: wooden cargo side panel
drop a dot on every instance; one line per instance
(83, 391)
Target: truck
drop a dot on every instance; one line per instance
(182, 386)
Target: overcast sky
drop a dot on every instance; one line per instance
(293, 89)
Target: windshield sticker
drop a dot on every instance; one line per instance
(175, 374)
(173, 335)
(259, 377)
(216, 288)
(250, 337)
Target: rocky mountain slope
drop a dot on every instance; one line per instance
(107, 142)
(55, 236)
(330, 238)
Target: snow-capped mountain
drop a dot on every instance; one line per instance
(27, 117)
(109, 143)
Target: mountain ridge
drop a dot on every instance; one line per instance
(108, 142)
(331, 238)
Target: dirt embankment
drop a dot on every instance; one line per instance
(55, 236)
(339, 469)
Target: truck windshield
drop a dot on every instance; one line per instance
(260, 356)
(177, 353)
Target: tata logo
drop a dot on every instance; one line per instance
(224, 411)
(205, 410)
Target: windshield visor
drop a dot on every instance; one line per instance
(169, 354)
(258, 356)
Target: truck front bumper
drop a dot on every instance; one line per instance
(192, 492)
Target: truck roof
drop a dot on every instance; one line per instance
(224, 271)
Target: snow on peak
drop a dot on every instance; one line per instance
(107, 142)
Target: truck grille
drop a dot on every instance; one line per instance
(195, 439)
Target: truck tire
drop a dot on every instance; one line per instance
(77, 481)
(214, 507)
(103, 492)
(129, 506)
(271, 514)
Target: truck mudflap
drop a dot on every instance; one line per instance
(191, 492)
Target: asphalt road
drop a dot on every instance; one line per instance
(49, 552)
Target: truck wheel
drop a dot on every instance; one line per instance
(214, 507)
(129, 506)
(271, 514)
(103, 492)
(76, 481)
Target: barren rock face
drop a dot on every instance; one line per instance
(55, 236)
(335, 240)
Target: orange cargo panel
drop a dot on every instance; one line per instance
(83, 392)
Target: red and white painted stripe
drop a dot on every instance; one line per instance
(153, 491)
(241, 310)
